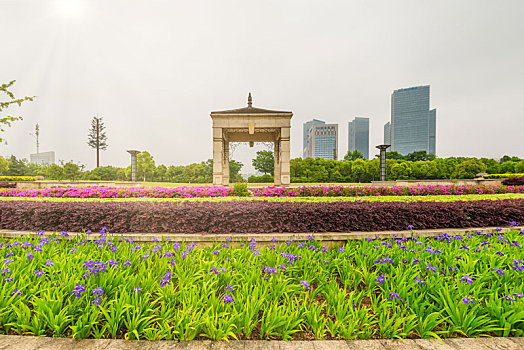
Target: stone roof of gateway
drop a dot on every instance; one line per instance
(250, 110)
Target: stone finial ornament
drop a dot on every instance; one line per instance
(249, 100)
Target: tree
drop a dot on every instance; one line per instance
(146, 165)
(161, 172)
(468, 169)
(97, 138)
(419, 155)
(265, 162)
(17, 167)
(519, 167)
(234, 170)
(393, 155)
(55, 172)
(71, 171)
(356, 154)
(4, 165)
(6, 121)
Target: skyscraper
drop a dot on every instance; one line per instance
(305, 133)
(433, 131)
(358, 136)
(387, 133)
(323, 142)
(412, 128)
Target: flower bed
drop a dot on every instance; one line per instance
(216, 191)
(469, 285)
(256, 216)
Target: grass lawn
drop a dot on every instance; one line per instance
(447, 286)
(431, 198)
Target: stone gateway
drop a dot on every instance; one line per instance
(251, 124)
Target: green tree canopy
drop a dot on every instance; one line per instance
(265, 162)
(145, 165)
(356, 154)
(5, 121)
(4, 165)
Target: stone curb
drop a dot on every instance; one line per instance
(43, 343)
(206, 239)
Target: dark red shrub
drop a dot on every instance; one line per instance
(255, 216)
(514, 181)
(4, 184)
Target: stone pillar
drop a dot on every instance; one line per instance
(285, 172)
(383, 149)
(133, 164)
(218, 156)
(276, 173)
(225, 166)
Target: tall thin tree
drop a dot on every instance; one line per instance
(97, 137)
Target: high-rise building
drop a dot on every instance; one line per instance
(306, 131)
(387, 133)
(433, 131)
(323, 142)
(42, 158)
(358, 136)
(410, 120)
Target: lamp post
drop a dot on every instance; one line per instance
(383, 149)
(133, 164)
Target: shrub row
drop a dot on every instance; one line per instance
(502, 176)
(255, 216)
(17, 178)
(4, 184)
(514, 181)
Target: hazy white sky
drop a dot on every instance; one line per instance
(154, 70)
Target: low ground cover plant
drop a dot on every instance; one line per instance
(502, 176)
(18, 178)
(106, 287)
(270, 191)
(255, 216)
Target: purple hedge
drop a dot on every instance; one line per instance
(256, 216)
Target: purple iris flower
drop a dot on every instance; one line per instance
(305, 284)
(393, 296)
(468, 300)
(228, 299)
(229, 287)
(498, 271)
(467, 279)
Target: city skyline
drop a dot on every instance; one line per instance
(155, 81)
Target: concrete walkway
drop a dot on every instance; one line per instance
(29, 343)
(206, 239)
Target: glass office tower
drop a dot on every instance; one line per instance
(306, 129)
(410, 120)
(323, 142)
(358, 136)
(387, 133)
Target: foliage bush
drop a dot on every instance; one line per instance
(502, 176)
(514, 181)
(240, 189)
(260, 179)
(18, 178)
(7, 184)
(255, 216)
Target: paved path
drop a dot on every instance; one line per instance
(29, 343)
(328, 238)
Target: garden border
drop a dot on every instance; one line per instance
(265, 239)
(41, 343)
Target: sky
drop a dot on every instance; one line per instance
(154, 70)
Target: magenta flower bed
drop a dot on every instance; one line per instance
(217, 191)
(256, 216)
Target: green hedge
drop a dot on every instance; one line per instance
(17, 178)
(502, 176)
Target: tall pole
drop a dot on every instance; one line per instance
(97, 143)
(37, 133)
